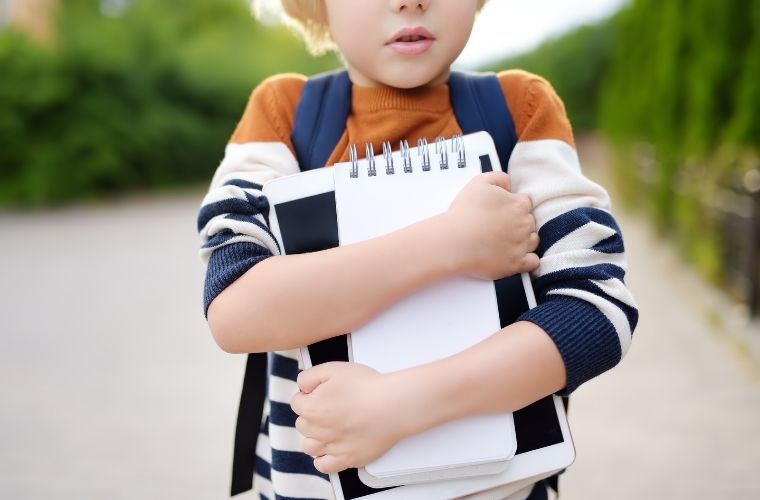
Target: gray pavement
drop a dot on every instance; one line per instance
(112, 387)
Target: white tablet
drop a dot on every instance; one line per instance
(303, 219)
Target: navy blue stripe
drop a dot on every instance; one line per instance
(228, 263)
(564, 224)
(263, 468)
(585, 337)
(284, 367)
(229, 233)
(263, 497)
(230, 205)
(631, 313)
(243, 184)
(225, 235)
(566, 278)
(220, 238)
(294, 462)
(282, 414)
(260, 202)
(613, 244)
(248, 218)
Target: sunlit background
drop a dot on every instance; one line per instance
(114, 115)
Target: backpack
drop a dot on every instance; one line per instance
(320, 119)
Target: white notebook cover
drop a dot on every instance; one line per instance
(433, 323)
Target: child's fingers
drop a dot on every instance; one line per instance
(309, 379)
(329, 464)
(500, 179)
(313, 447)
(530, 262)
(533, 242)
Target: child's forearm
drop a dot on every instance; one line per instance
(338, 402)
(506, 372)
(294, 300)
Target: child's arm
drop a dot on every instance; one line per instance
(351, 415)
(294, 300)
(257, 300)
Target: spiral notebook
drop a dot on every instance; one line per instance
(377, 195)
(303, 218)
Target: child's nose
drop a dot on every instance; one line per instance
(408, 5)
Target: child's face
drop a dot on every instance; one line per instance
(400, 43)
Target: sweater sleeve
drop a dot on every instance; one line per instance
(233, 217)
(583, 302)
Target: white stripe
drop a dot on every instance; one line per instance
(221, 222)
(263, 448)
(293, 354)
(258, 161)
(616, 316)
(281, 390)
(617, 290)
(578, 259)
(243, 176)
(229, 192)
(285, 438)
(549, 172)
(262, 486)
(585, 236)
(301, 485)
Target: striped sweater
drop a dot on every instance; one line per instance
(584, 305)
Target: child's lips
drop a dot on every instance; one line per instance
(411, 41)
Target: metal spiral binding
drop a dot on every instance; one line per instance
(370, 152)
(354, 161)
(440, 150)
(388, 155)
(423, 153)
(406, 156)
(457, 146)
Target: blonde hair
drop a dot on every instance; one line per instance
(309, 18)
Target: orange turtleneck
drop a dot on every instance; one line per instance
(389, 114)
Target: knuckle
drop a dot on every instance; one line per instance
(524, 202)
(302, 426)
(312, 447)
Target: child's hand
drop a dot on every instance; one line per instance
(345, 415)
(494, 232)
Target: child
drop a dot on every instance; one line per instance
(398, 54)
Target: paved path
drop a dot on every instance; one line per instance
(113, 389)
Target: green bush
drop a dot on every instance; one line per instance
(143, 99)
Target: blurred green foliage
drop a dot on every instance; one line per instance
(141, 98)
(675, 87)
(681, 103)
(574, 64)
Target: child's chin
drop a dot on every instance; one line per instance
(412, 80)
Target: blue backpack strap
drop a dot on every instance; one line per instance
(479, 104)
(320, 118)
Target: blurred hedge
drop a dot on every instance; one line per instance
(575, 64)
(681, 102)
(137, 99)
